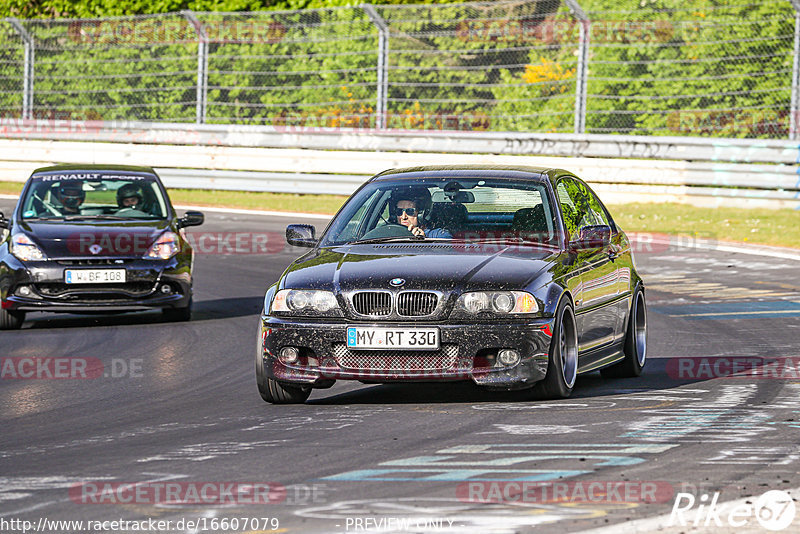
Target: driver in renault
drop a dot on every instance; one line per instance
(129, 196)
(70, 195)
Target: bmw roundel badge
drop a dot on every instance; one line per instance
(397, 282)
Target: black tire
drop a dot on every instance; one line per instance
(273, 391)
(11, 320)
(635, 342)
(178, 314)
(562, 365)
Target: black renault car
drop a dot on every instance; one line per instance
(511, 277)
(95, 239)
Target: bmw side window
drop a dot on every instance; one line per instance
(574, 206)
(590, 213)
(598, 213)
(350, 230)
(355, 225)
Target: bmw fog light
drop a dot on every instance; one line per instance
(508, 357)
(289, 355)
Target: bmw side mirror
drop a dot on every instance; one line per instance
(301, 235)
(191, 218)
(590, 237)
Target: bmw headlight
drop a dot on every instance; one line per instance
(305, 302)
(166, 246)
(25, 249)
(497, 302)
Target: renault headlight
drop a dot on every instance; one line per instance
(166, 246)
(25, 249)
(497, 302)
(306, 302)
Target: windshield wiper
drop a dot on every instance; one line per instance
(384, 240)
(398, 239)
(512, 240)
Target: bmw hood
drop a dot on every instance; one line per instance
(441, 266)
(73, 240)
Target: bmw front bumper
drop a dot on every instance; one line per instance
(467, 352)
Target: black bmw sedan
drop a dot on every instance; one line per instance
(512, 277)
(95, 239)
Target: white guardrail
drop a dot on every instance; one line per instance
(702, 171)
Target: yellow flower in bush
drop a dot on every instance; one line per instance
(546, 71)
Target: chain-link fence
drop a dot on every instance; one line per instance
(699, 69)
(12, 70)
(509, 65)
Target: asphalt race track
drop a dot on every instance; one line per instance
(177, 403)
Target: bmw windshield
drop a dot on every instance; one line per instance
(93, 195)
(470, 209)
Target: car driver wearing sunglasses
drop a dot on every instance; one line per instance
(408, 214)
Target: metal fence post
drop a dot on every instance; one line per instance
(793, 111)
(383, 64)
(583, 63)
(202, 64)
(27, 68)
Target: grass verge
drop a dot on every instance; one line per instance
(10, 188)
(328, 204)
(762, 226)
